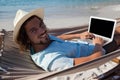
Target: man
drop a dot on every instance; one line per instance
(50, 52)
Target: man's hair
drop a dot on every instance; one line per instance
(22, 38)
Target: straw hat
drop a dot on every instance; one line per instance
(21, 17)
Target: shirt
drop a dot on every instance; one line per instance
(60, 54)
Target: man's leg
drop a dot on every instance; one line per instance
(115, 44)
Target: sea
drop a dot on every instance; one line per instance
(53, 9)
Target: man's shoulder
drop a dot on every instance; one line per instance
(54, 38)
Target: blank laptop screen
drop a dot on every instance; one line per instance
(101, 27)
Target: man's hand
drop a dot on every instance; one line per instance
(98, 40)
(86, 35)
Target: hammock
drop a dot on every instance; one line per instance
(19, 66)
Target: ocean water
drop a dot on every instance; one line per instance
(53, 8)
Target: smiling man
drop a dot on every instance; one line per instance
(52, 52)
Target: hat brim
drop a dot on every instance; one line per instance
(37, 12)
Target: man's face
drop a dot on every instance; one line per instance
(37, 32)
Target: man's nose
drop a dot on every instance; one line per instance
(41, 31)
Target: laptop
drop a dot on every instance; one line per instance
(102, 27)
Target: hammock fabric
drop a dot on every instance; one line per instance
(19, 66)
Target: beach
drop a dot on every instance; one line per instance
(111, 12)
(57, 15)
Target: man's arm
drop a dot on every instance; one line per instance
(98, 42)
(97, 53)
(83, 35)
(68, 36)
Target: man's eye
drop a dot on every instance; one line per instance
(33, 31)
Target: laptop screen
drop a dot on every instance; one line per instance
(102, 26)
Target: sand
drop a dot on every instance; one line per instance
(68, 22)
(107, 12)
